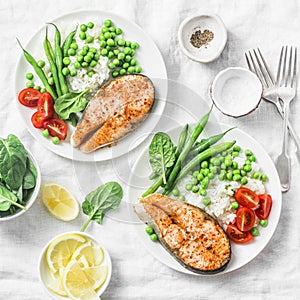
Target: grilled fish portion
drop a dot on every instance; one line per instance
(188, 233)
(116, 109)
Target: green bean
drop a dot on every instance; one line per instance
(201, 157)
(38, 71)
(68, 41)
(186, 149)
(52, 64)
(59, 60)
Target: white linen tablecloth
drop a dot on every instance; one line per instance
(275, 273)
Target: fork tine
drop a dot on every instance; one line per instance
(266, 67)
(250, 66)
(258, 71)
(278, 77)
(288, 78)
(294, 75)
(261, 69)
(284, 66)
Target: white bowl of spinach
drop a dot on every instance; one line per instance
(20, 178)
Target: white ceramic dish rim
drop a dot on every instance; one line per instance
(35, 194)
(106, 254)
(217, 103)
(221, 47)
(105, 153)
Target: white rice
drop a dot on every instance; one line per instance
(221, 194)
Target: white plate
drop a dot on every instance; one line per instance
(148, 56)
(241, 254)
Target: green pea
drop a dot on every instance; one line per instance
(176, 192)
(210, 175)
(205, 172)
(121, 43)
(134, 45)
(131, 70)
(83, 27)
(228, 162)
(111, 65)
(41, 63)
(29, 84)
(116, 61)
(110, 54)
(29, 76)
(110, 42)
(224, 153)
(126, 65)
(244, 180)
(235, 165)
(112, 28)
(115, 74)
(102, 44)
(222, 159)
(128, 44)
(256, 175)
(223, 166)
(235, 154)
(89, 39)
(194, 181)
(77, 65)
(248, 152)
(213, 169)
(263, 223)
(236, 177)
(221, 177)
(93, 63)
(195, 174)
(153, 237)
(104, 52)
(45, 133)
(91, 73)
(65, 71)
(243, 173)
(127, 50)
(37, 87)
(66, 61)
(80, 58)
(204, 164)
(82, 35)
(107, 35)
(55, 140)
(229, 175)
(200, 177)
(121, 56)
(202, 192)
(107, 23)
(254, 231)
(116, 52)
(235, 205)
(252, 158)
(102, 38)
(71, 52)
(236, 148)
(104, 29)
(206, 201)
(236, 171)
(73, 72)
(122, 71)
(118, 31)
(96, 57)
(87, 58)
(263, 177)
(188, 187)
(195, 189)
(247, 168)
(84, 64)
(149, 230)
(128, 58)
(132, 53)
(138, 69)
(247, 162)
(43, 90)
(86, 48)
(90, 53)
(181, 198)
(50, 80)
(133, 62)
(90, 25)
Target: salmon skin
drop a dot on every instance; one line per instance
(189, 234)
(116, 109)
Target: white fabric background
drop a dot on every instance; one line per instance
(275, 273)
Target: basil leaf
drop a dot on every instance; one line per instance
(162, 154)
(98, 202)
(70, 103)
(12, 161)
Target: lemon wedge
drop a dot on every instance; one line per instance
(61, 249)
(59, 201)
(93, 256)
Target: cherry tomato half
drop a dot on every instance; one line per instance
(46, 105)
(29, 97)
(239, 237)
(246, 197)
(245, 218)
(264, 208)
(56, 127)
(37, 120)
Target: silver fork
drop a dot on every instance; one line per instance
(257, 64)
(286, 89)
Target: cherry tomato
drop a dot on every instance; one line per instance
(29, 97)
(240, 237)
(37, 120)
(56, 127)
(264, 208)
(246, 197)
(245, 218)
(46, 105)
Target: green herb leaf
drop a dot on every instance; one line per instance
(7, 198)
(29, 180)
(162, 154)
(12, 161)
(97, 203)
(70, 103)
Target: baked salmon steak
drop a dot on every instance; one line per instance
(116, 109)
(189, 234)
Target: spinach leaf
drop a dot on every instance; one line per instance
(29, 179)
(98, 202)
(70, 103)
(12, 161)
(7, 198)
(162, 154)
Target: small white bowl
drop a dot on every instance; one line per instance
(43, 269)
(35, 194)
(214, 48)
(236, 92)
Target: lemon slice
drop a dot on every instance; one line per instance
(77, 285)
(56, 283)
(96, 275)
(61, 250)
(92, 255)
(59, 201)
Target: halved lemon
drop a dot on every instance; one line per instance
(61, 249)
(92, 255)
(59, 201)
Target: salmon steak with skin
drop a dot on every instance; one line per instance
(189, 234)
(116, 109)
